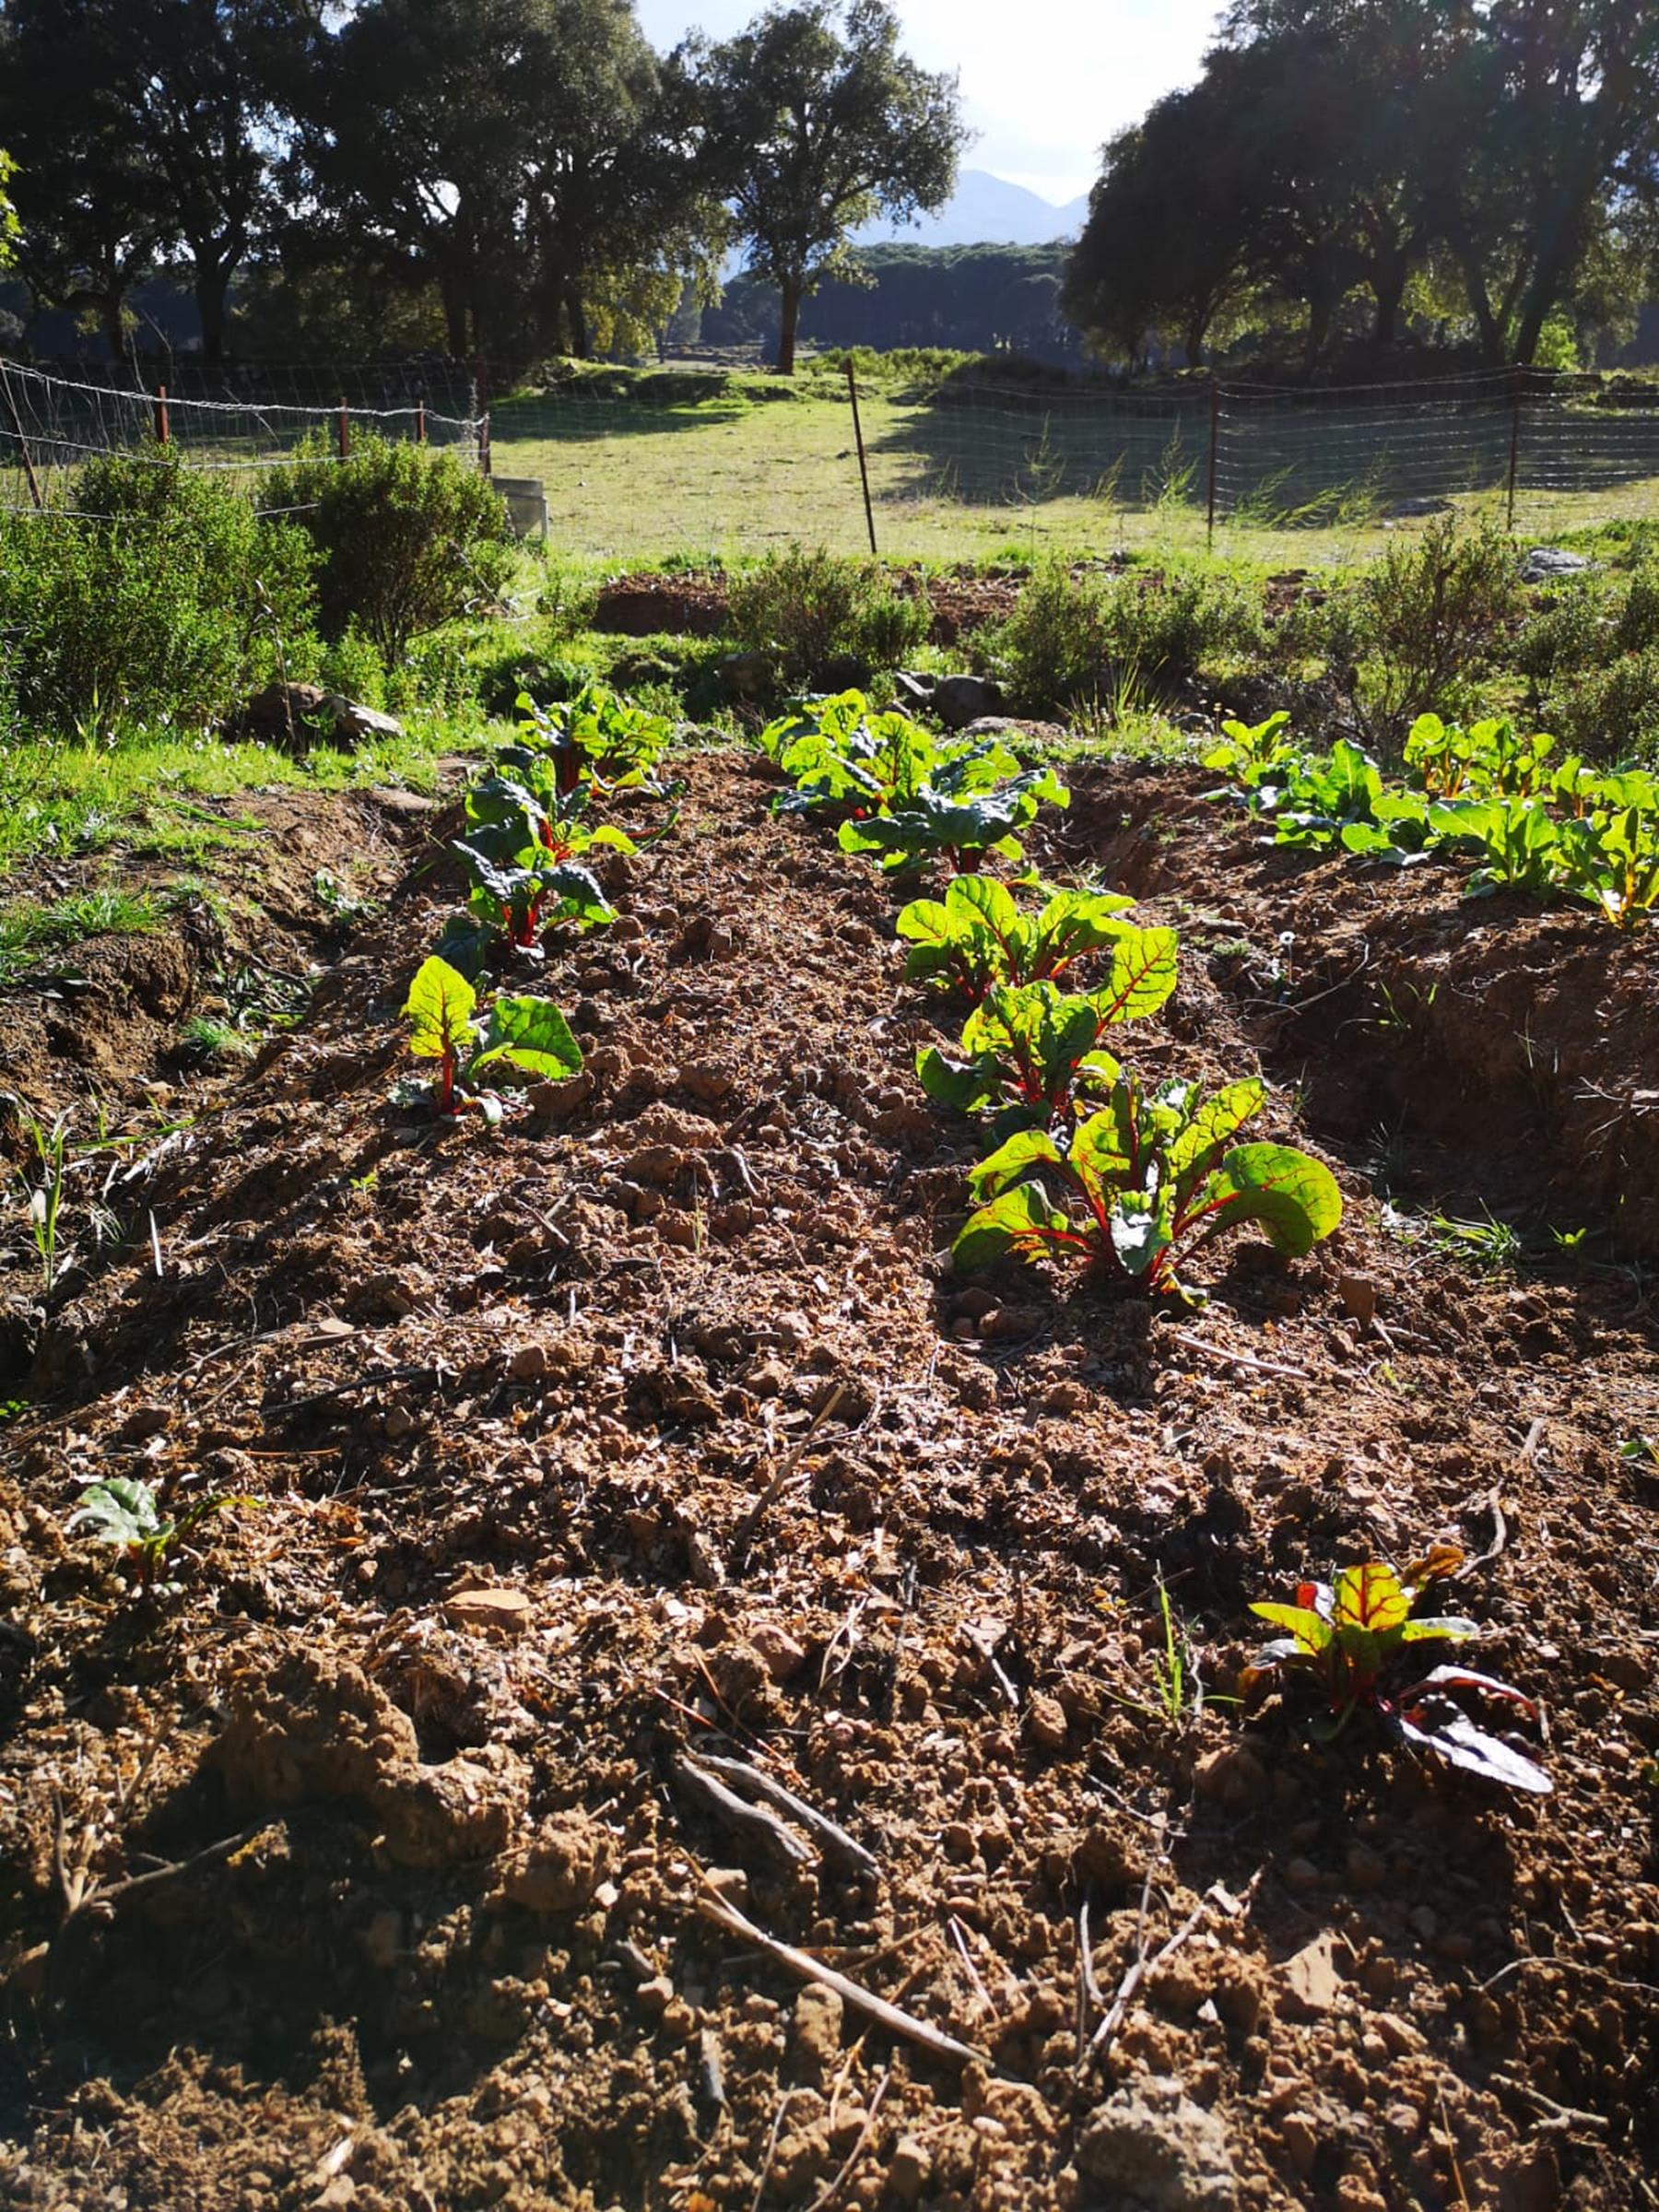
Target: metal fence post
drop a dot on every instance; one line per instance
(1514, 463)
(481, 408)
(1215, 442)
(163, 422)
(863, 466)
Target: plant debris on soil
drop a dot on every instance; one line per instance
(679, 1610)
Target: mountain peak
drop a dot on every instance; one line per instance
(984, 210)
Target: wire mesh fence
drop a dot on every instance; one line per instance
(639, 467)
(238, 422)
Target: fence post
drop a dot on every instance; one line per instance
(863, 466)
(420, 422)
(481, 408)
(1215, 444)
(343, 431)
(1515, 466)
(163, 422)
(17, 423)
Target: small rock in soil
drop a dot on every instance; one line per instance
(507, 1612)
(816, 2036)
(1152, 2145)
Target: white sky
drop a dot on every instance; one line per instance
(1044, 82)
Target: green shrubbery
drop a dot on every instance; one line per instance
(164, 600)
(814, 610)
(1073, 641)
(1432, 616)
(406, 540)
(157, 595)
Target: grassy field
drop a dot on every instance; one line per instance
(629, 482)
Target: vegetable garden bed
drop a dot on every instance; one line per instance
(380, 1865)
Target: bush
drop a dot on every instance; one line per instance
(352, 667)
(1432, 616)
(1576, 630)
(1611, 714)
(154, 595)
(1073, 641)
(406, 539)
(813, 609)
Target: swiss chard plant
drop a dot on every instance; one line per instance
(127, 1515)
(1516, 841)
(520, 1035)
(525, 853)
(1613, 861)
(1248, 754)
(1029, 1048)
(1136, 1189)
(1311, 801)
(955, 817)
(845, 758)
(1358, 1638)
(976, 935)
(597, 735)
(1487, 760)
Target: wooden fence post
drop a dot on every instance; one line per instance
(1215, 448)
(343, 431)
(17, 423)
(863, 466)
(163, 420)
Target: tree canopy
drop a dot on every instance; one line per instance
(817, 123)
(1498, 159)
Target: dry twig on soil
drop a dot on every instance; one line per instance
(836, 1841)
(808, 1969)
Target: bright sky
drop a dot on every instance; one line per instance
(1044, 82)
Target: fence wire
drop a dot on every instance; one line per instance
(238, 423)
(636, 469)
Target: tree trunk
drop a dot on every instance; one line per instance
(1388, 288)
(454, 317)
(581, 344)
(111, 303)
(212, 283)
(1321, 307)
(792, 290)
(1480, 304)
(1193, 335)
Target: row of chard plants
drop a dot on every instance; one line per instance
(531, 834)
(1087, 1163)
(1487, 794)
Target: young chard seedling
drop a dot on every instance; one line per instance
(127, 1515)
(1029, 1048)
(528, 1036)
(1352, 1637)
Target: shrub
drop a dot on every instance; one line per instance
(1432, 615)
(352, 667)
(406, 539)
(154, 596)
(1610, 714)
(1071, 641)
(1575, 630)
(813, 609)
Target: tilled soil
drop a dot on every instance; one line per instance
(367, 1869)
